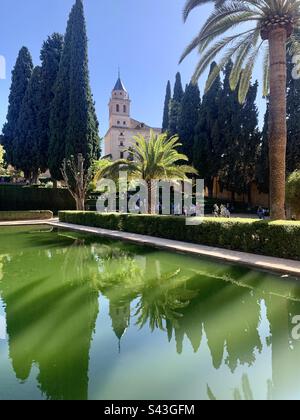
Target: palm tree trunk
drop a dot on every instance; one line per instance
(277, 122)
(151, 197)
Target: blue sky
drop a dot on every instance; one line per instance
(144, 37)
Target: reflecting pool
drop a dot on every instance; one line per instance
(87, 318)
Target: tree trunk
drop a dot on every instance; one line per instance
(210, 188)
(151, 197)
(249, 195)
(277, 123)
(80, 204)
(34, 178)
(55, 183)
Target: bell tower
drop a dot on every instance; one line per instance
(119, 106)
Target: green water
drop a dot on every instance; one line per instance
(86, 318)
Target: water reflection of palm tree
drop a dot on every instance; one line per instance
(162, 300)
(119, 280)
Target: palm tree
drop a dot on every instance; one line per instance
(276, 22)
(153, 159)
(100, 169)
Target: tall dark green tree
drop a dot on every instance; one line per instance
(165, 124)
(178, 90)
(250, 140)
(240, 136)
(293, 119)
(59, 113)
(20, 78)
(188, 119)
(26, 141)
(50, 58)
(82, 134)
(73, 121)
(175, 106)
(262, 164)
(207, 150)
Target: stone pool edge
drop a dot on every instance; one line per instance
(260, 262)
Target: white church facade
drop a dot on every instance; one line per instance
(122, 128)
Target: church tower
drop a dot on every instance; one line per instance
(122, 130)
(119, 106)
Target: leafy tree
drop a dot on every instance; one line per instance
(188, 119)
(175, 106)
(293, 193)
(293, 120)
(207, 150)
(26, 141)
(2, 153)
(155, 159)
(50, 58)
(73, 121)
(274, 22)
(20, 78)
(168, 97)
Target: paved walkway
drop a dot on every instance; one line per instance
(27, 222)
(278, 265)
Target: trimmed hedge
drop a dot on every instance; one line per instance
(10, 216)
(19, 198)
(277, 239)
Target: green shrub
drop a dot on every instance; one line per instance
(10, 216)
(277, 239)
(293, 193)
(18, 198)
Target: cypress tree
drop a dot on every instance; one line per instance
(59, 113)
(230, 123)
(262, 165)
(174, 114)
(26, 142)
(168, 96)
(249, 143)
(50, 58)
(82, 132)
(175, 106)
(188, 119)
(207, 150)
(178, 90)
(293, 119)
(240, 136)
(73, 121)
(20, 78)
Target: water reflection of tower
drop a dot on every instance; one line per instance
(119, 313)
